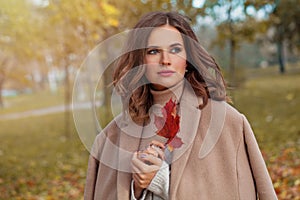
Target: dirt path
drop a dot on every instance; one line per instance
(42, 111)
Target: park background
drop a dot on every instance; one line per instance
(45, 42)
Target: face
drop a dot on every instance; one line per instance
(165, 57)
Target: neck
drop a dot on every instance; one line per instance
(163, 96)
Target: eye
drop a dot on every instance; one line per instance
(153, 51)
(175, 50)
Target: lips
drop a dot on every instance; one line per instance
(166, 73)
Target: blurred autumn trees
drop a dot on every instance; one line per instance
(78, 26)
(284, 26)
(235, 25)
(39, 36)
(238, 22)
(17, 42)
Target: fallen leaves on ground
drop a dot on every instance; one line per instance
(284, 170)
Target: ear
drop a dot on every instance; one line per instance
(186, 66)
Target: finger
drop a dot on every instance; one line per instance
(154, 161)
(138, 164)
(137, 181)
(155, 151)
(143, 177)
(135, 157)
(135, 169)
(151, 150)
(160, 152)
(145, 168)
(157, 143)
(143, 172)
(140, 182)
(146, 164)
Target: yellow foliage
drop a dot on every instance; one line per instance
(113, 22)
(109, 9)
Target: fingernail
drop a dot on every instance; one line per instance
(143, 155)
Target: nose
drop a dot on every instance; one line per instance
(165, 59)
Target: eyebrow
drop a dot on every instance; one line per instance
(172, 45)
(176, 44)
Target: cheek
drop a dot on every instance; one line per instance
(150, 71)
(151, 59)
(180, 66)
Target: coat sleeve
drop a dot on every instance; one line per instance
(91, 178)
(261, 176)
(93, 167)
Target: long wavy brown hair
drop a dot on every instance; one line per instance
(203, 73)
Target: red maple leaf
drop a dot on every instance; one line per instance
(168, 124)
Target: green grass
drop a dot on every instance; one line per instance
(272, 105)
(38, 160)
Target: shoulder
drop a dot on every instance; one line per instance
(234, 114)
(233, 117)
(112, 130)
(230, 110)
(109, 134)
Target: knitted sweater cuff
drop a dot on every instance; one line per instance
(160, 183)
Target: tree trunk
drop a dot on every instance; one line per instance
(280, 56)
(232, 63)
(107, 94)
(2, 78)
(67, 100)
(107, 78)
(232, 46)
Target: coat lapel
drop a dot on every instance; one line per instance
(189, 121)
(130, 134)
(215, 127)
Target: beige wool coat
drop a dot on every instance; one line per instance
(220, 158)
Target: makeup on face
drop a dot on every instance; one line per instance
(165, 57)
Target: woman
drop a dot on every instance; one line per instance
(170, 84)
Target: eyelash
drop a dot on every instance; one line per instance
(174, 50)
(153, 51)
(177, 49)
